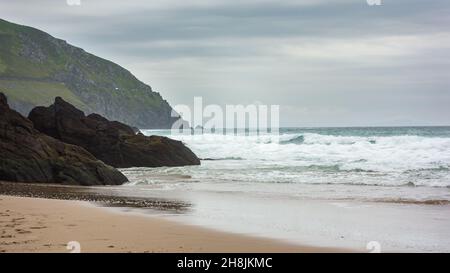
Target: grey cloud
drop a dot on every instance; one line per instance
(344, 61)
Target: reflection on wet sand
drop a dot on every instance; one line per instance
(103, 196)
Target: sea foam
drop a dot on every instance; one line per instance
(311, 157)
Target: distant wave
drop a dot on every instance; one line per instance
(295, 140)
(398, 200)
(412, 201)
(222, 158)
(434, 169)
(318, 139)
(382, 184)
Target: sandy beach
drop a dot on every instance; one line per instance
(44, 225)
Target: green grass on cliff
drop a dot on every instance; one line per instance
(35, 67)
(38, 93)
(13, 64)
(57, 55)
(2, 67)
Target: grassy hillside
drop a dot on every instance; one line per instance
(35, 67)
(38, 93)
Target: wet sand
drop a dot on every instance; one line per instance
(292, 224)
(102, 195)
(46, 225)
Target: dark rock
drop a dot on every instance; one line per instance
(3, 101)
(30, 156)
(112, 142)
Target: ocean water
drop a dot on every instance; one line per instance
(338, 187)
(403, 164)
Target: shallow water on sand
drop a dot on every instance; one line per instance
(319, 222)
(307, 221)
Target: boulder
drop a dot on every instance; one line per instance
(114, 143)
(28, 155)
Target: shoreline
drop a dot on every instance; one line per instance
(47, 225)
(318, 224)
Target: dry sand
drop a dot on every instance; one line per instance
(45, 225)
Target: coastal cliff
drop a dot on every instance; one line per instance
(36, 67)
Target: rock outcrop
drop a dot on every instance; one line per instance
(28, 155)
(112, 142)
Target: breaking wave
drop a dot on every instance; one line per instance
(311, 157)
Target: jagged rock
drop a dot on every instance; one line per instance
(28, 155)
(112, 142)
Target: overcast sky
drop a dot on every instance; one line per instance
(326, 63)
